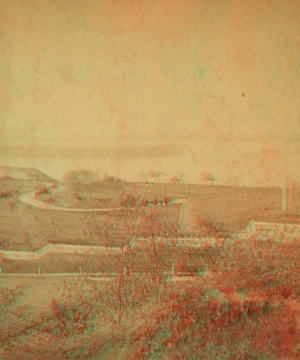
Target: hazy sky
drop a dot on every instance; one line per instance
(218, 79)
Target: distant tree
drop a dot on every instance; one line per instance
(111, 179)
(177, 179)
(153, 176)
(209, 178)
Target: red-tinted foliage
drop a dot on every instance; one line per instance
(8, 193)
(68, 318)
(185, 324)
(166, 200)
(42, 191)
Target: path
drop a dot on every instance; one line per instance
(32, 200)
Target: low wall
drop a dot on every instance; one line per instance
(274, 231)
(90, 249)
(52, 248)
(182, 241)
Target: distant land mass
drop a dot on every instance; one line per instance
(27, 174)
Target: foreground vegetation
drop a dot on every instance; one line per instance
(243, 303)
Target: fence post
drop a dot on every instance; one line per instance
(39, 270)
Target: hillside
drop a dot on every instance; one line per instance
(82, 177)
(27, 174)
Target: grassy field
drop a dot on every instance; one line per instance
(222, 210)
(24, 227)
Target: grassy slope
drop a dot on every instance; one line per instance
(226, 208)
(25, 227)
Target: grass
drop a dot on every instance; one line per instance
(214, 209)
(24, 227)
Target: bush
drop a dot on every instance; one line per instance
(144, 202)
(69, 318)
(128, 201)
(209, 227)
(197, 325)
(166, 200)
(8, 193)
(42, 191)
(49, 199)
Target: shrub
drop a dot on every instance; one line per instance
(68, 318)
(49, 199)
(209, 227)
(7, 193)
(166, 200)
(42, 191)
(197, 325)
(128, 201)
(144, 202)
(78, 196)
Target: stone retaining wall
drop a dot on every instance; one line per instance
(272, 231)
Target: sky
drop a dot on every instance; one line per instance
(178, 86)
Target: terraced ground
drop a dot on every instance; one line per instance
(245, 305)
(222, 210)
(242, 300)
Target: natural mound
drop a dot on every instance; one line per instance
(28, 174)
(82, 177)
